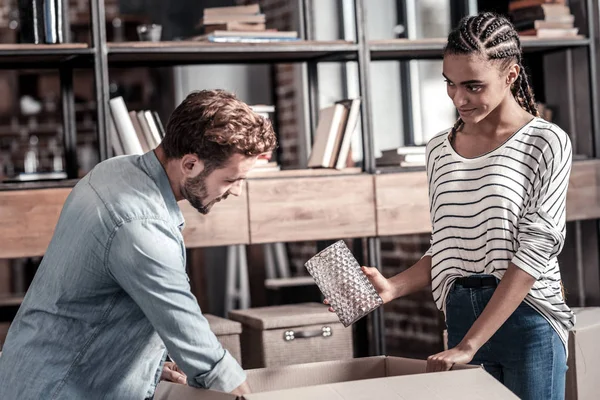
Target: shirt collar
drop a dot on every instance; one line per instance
(155, 170)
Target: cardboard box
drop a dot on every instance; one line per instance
(228, 332)
(292, 334)
(583, 375)
(361, 378)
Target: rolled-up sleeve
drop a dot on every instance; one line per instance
(146, 258)
(542, 229)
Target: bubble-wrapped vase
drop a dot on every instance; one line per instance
(341, 280)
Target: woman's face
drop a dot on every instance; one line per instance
(477, 86)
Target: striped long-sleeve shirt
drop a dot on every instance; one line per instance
(505, 206)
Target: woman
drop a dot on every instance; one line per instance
(497, 188)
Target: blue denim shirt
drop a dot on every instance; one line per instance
(110, 294)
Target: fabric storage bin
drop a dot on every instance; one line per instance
(291, 334)
(228, 332)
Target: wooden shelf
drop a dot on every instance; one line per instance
(43, 56)
(302, 173)
(398, 49)
(403, 202)
(311, 208)
(283, 209)
(193, 52)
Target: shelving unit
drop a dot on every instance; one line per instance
(318, 204)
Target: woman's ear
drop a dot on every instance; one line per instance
(191, 165)
(513, 74)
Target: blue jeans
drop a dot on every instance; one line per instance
(525, 354)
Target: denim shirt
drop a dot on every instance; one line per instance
(111, 296)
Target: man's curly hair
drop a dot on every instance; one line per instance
(214, 125)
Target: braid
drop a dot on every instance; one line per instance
(457, 125)
(527, 91)
(495, 38)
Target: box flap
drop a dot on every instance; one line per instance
(471, 384)
(293, 376)
(397, 366)
(286, 316)
(174, 391)
(587, 317)
(222, 326)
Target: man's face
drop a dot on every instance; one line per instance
(209, 187)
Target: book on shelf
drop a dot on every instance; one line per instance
(226, 18)
(333, 136)
(250, 9)
(31, 18)
(248, 36)
(342, 156)
(133, 132)
(41, 21)
(239, 24)
(235, 26)
(521, 4)
(543, 19)
(405, 156)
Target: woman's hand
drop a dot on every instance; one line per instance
(446, 359)
(383, 285)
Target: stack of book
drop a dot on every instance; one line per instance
(410, 156)
(335, 128)
(133, 132)
(239, 24)
(41, 21)
(542, 18)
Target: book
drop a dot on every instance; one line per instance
(519, 4)
(233, 10)
(331, 122)
(60, 19)
(124, 126)
(146, 129)
(31, 18)
(353, 107)
(159, 125)
(50, 23)
(243, 39)
(115, 139)
(139, 132)
(549, 12)
(558, 22)
(153, 128)
(551, 33)
(224, 19)
(253, 34)
(235, 26)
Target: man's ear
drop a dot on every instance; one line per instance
(191, 165)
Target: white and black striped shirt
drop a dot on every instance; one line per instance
(507, 205)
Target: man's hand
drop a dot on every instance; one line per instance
(172, 373)
(445, 360)
(241, 390)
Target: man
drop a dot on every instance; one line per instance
(112, 291)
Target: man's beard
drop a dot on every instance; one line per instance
(194, 190)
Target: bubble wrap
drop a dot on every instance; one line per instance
(341, 280)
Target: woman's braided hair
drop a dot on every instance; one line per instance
(495, 38)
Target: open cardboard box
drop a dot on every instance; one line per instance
(360, 378)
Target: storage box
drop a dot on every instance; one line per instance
(228, 332)
(356, 379)
(583, 375)
(291, 334)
